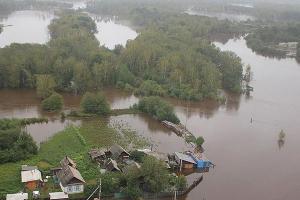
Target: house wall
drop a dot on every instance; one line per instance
(73, 188)
(32, 185)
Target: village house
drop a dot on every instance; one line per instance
(70, 179)
(58, 196)
(17, 196)
(31, 176)
(112, 165)
(185, 161)
(117, 152)
(131, 166)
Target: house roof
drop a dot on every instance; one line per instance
(33, 175)
(58, 195)
(185, 157)
(111, 165)
(94, 153)
(117, 150)
(131, 166)
(28, 168)
(17, 196)
(69, 175)
(68, 161)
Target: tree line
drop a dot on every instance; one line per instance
(172, 54)
(265, 40)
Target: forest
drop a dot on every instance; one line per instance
(265, 40)
(173, 53)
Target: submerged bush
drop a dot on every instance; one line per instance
(53, 103)
(95, 103)
(157, 108)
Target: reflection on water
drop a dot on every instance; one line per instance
(26, 27)
(110, 33)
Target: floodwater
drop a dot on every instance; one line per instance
(27, 26)
(31, 26)
(251, 162)
(222, 16)
(111, 33)
(25, 104)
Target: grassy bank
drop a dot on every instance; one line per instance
(74, 142)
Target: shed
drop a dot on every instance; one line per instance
(186, 161)
(112, 165)
(31, 178)
(17, 196)
(97, 154)
(201, 160)
(118, 152)
(58, 196)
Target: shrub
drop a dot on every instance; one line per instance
(150, 88)
(157, 108)
(53, 103)
(95, 103)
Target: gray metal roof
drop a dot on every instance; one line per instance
(18, 196)
(28, 168)
(185, 157)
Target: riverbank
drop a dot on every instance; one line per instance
(70, 142)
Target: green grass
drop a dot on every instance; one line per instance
(74, 142)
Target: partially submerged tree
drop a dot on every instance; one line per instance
(53, 103)
(45, 85)
(95, 104)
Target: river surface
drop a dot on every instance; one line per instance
(250, 162)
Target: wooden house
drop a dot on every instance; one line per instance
(31, 177)
(70, 179)
(184, 161)
(117, 152)
(112, 165)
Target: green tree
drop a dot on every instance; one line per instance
(157, 108)
(199, 141)
(53, 103)
(155, 174)
(95, 103)
(45, 85)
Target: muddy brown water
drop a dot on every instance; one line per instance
(250, 162)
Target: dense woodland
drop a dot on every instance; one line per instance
(173, 53)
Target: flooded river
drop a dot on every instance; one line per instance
(250, 163)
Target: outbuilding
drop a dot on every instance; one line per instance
(17, 196)
(31, 178)
(58, 196)
(185, 161)
(118, 153)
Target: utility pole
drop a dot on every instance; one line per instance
(99, 189)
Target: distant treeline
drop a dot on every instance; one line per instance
(8, 6)
(265, 40)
